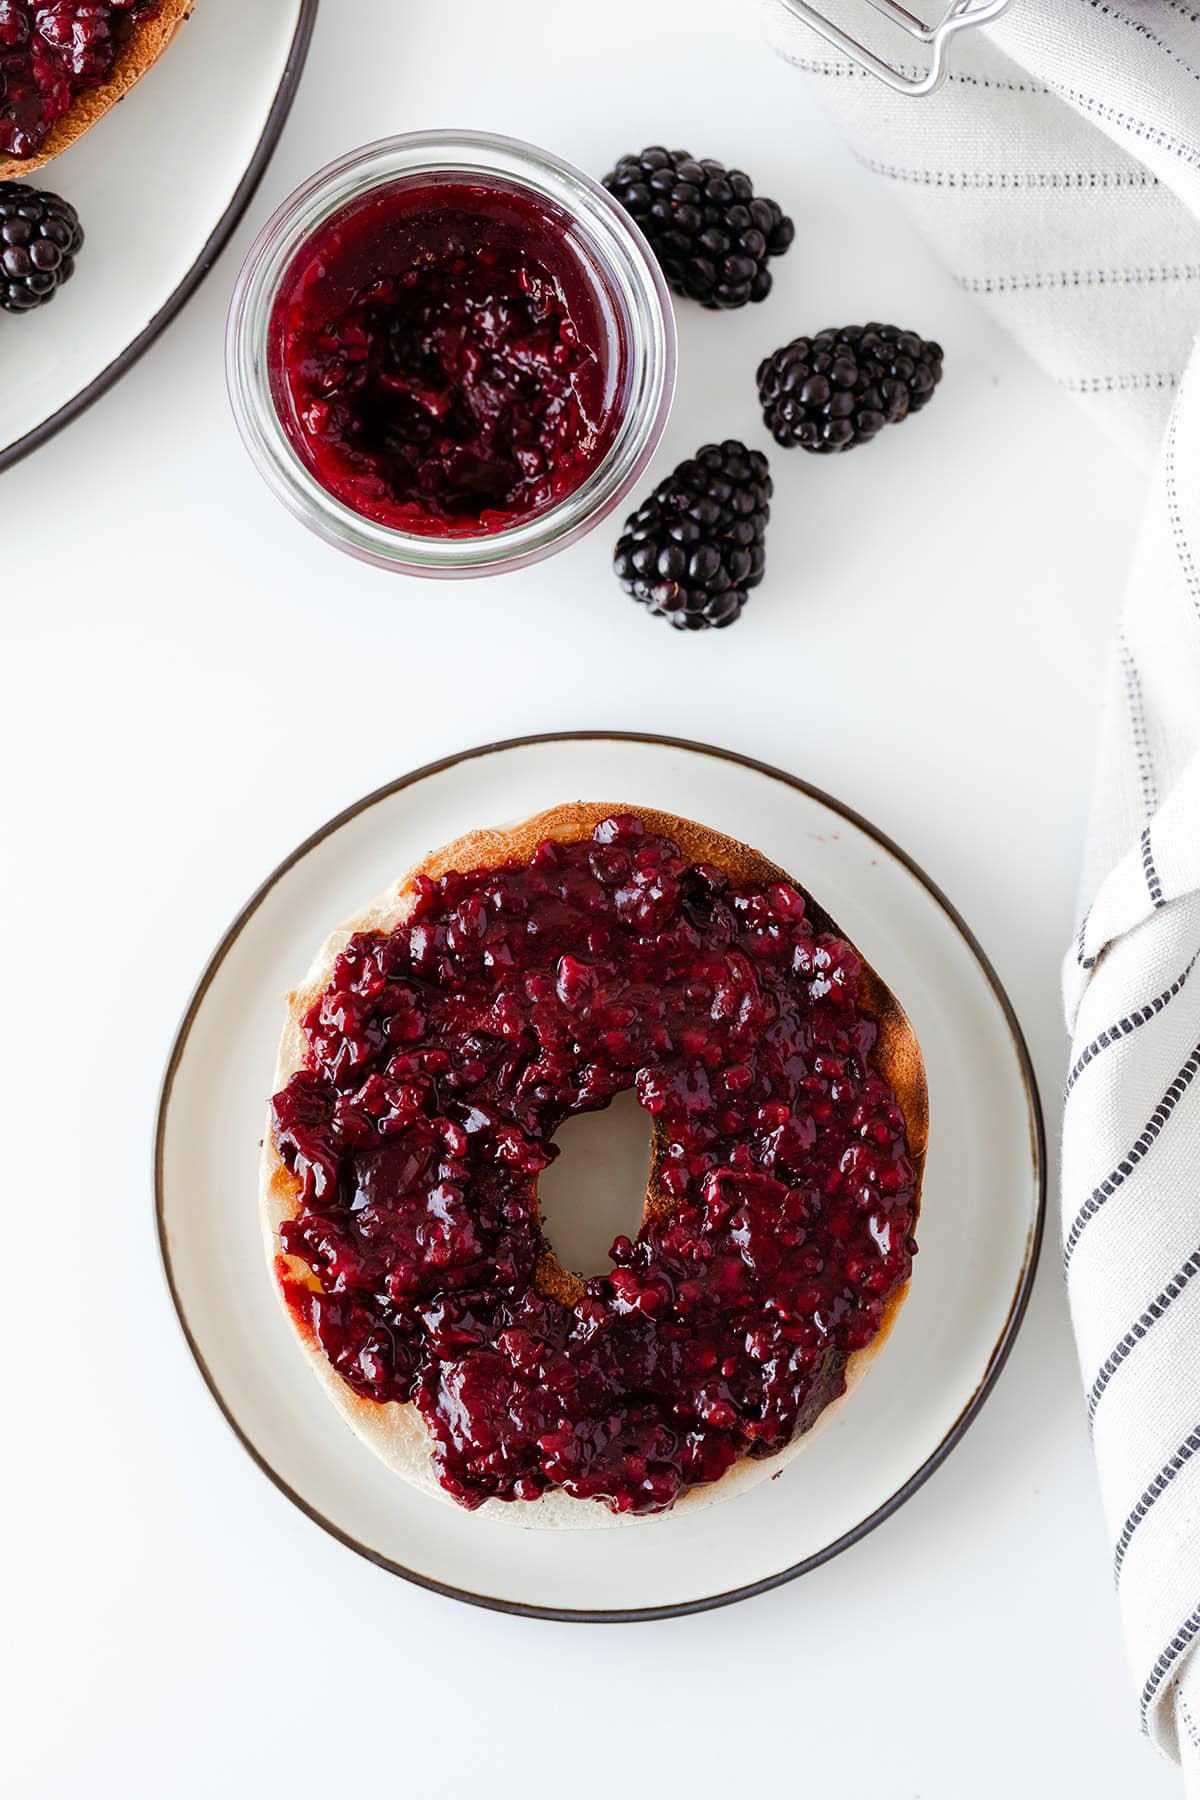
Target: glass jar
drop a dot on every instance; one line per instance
(622, 286)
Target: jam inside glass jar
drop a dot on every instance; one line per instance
(451, 353)
(443, 358)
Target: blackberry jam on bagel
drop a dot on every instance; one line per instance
(63, 66)
(513, 980)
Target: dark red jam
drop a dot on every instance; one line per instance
(49, 54)
(443, 360)
(444, 1056)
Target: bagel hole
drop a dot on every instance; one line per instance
(595, 1189)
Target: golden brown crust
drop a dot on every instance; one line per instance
(146, 44)
(395, 1431)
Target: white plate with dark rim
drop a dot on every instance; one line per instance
(159, 184)
(981, 1215)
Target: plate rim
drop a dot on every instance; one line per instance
(950, 1439)
(218, 238)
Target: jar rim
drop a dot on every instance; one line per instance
(620, 251)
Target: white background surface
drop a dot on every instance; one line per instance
(193, 684)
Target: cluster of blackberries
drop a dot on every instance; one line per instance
(692, 551)
(696, 546)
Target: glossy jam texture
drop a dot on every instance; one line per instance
(50, 52)
(442, 359)
(442, 1059)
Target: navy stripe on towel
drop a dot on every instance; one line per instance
(1154, 886)
(1085, 962)
(1166, 1661)
(1189, 1722)
(1183, 549)
(1117, 1032)
(1137, 1331)
(1158, 1487)
(1133, 1156)
(1137, 727)
(1127, 381)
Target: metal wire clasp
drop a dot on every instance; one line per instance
(935, 38)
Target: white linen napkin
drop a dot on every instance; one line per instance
(1058, 171)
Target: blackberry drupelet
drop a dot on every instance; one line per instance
(709, 231)
(692, 551)
(40, 236)
(837, 389)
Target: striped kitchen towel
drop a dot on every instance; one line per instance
(1058, 172)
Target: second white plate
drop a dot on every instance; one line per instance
(159, 183)
(981, 1215)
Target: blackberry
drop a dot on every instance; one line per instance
(692, 551)
(710, 233)
(40, 236)
(837, 389)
